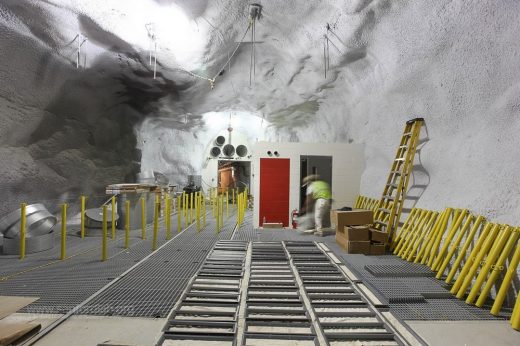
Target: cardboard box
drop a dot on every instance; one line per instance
(340, 219)
(377, 249)
(378, 236)
(353, 247)
(357, 233)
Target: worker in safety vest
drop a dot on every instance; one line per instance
(319, 194)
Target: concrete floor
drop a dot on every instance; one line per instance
(94, 330)
(466, 333)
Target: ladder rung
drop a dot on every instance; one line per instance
(386, 211)
(392, 185)
(403, 147)
(396, 172)
(389, 197)
(407, 134)
(400, 159)
(381, 223)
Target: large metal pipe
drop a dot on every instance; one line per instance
(215, 152)
(229, 150)
(220, 140)
(241, 150)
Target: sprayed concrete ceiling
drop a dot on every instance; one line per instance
(454, 63)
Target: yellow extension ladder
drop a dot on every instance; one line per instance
(387, 216)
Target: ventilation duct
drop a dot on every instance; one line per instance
(220, 141)
(229, 150)
(241, 150)
(215, 152)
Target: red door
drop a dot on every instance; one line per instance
(274, 191)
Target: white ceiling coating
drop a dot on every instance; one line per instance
(455, 63)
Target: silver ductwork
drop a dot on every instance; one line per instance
(241, 150)
(229, 150)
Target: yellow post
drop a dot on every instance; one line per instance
(143, 218)
(155, 226)
(439, 235)
(217, 222)
(478, 259)
(496, 248)
(455, 246)
(407, 229)
(227, 203)
(515, 317)
(63, 231)
(127, 224)
(82, 229)
(506, 282)
(413, 252)
(179, 214)
(192, 205)
(404, 228)
(105, 235)
(23, 222)
(113, 203)
(185, 207)
(454, 227)
(425, 214)
(233, 196)
(498, 267)
(168, 215)
(204, 210)
(197, 210)
(462, 252)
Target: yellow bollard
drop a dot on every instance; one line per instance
(455, 246)
(462, 252)
(143, 218)
(23, 222)
(478, 259)
(498, 267)
(491, 258)
(515, 317)
(179, 214)
(127, 224)
(454, 227)
(217, 223)
(191, 207)
(63, 231)
(233, 196)
(113, 203)
(168, 215)
(105, 235)
(155, 226)
(82, 229)
(438, 239)
(413, 253)
(227, 203)
(204, 210)
(425, 214)
(506, 282)
(185, 207)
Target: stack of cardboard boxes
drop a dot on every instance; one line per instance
(354, 233)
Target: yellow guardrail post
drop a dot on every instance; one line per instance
(82, 229)
(23, 223)
(425, 215)
(63, 231)
(506, 282)
(192, 207)
(455, 245)
(498, 267)
(204, 210)
(419, 241)
(113, 204)
(168, 215)
(469, 240)
(478, 259)
(422, 256)
(453, 230)
(515, 317)
(105, 235)
(227, 203)
(496, 248)
(405, 230)
(179, 214)
(127, 224)
(233, 196)
(155, 226)
(217, 222)
(143, 218)
(185, 208)
(197, 210)
(438, 237)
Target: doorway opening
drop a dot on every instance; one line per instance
(234, 175)
(311, 164)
